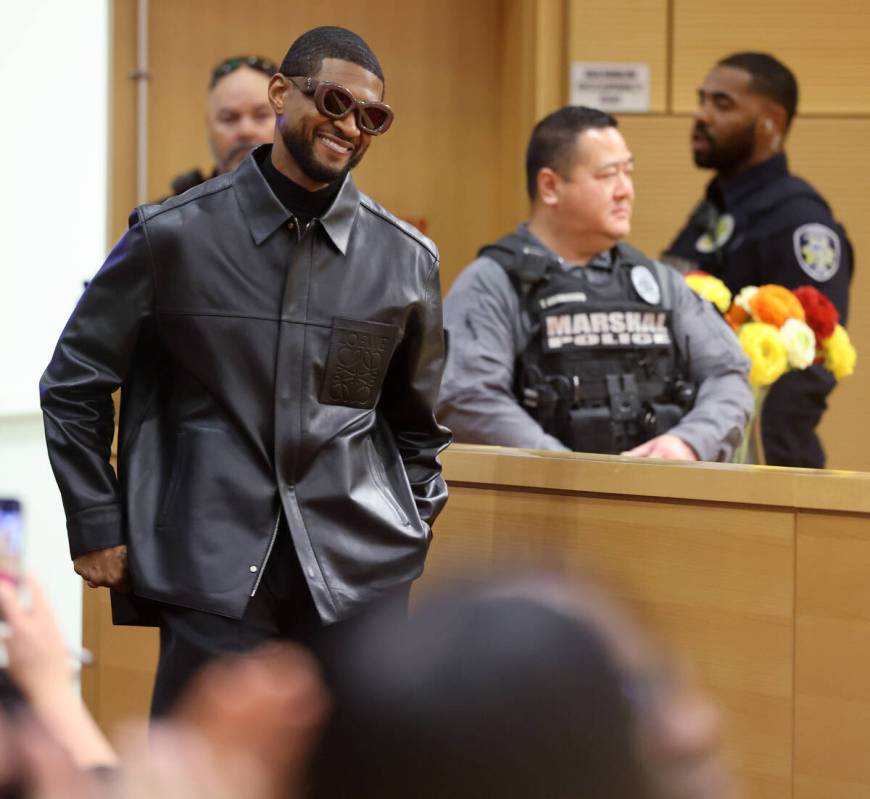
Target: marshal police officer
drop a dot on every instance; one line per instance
(561, 337)
(758, 223)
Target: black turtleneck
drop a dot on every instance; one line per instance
(303, 204)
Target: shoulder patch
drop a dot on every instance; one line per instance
(817, 249)
(646, 285)
(710, 242)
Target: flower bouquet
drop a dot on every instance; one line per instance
(779, 330)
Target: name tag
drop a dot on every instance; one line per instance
(606, 330)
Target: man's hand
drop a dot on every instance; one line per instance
(666, 446)
(106, 567)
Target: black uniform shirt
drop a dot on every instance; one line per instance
(765, 225)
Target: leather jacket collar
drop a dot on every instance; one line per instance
(264, 213)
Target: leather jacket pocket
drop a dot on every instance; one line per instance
(182, 449)
(359, 354)
(379, 477)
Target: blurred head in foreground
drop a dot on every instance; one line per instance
(535, 690)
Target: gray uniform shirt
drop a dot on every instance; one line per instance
(487, 331)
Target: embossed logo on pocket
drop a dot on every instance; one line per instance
(359, 353)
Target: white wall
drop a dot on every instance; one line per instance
(53, 146)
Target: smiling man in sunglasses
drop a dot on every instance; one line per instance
(277, 337)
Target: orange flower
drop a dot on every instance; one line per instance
(774, 305)
(736, 316)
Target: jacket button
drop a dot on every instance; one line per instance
(252, 568)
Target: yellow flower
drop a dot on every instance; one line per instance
(711, 289)
(764, 347)
(840, 355)
(800, 343)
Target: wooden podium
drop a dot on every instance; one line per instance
(757, 575)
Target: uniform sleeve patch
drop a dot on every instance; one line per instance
(817, 249)
(717, 238)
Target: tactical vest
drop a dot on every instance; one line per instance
(601, 371)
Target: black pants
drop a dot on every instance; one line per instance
(282, 609)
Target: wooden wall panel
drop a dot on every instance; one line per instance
(623, 30)
(667, 185)
(824, 43)
(122, 118)
(533, 83)
(832, 153)
(832, 648)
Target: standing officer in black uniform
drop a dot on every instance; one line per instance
(560, 337)
(759, 224)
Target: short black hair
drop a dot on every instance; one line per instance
(553, 141)
(307, 53)
(229, 65)
(770, 78)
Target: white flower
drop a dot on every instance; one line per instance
(800, 343)
(743, 298)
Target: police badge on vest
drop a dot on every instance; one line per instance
(601, 372)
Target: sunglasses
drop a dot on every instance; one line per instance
(336, 102)
(223, 69)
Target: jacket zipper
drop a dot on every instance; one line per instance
(268, 552)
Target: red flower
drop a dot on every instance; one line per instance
(822, 316)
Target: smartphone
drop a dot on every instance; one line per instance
(11, 541)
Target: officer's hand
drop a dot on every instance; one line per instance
(106, 567)
(666, 446)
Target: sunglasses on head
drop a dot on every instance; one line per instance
(223, 69)
(336, 102)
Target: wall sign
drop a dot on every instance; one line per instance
(610, 86)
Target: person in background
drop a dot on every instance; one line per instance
(562, 337)
(759, 224)
(238, 115)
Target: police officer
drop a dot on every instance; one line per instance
(560, 337)
(760, 224)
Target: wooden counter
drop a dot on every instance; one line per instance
(757, 575)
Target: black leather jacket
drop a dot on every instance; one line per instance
(265, 375)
